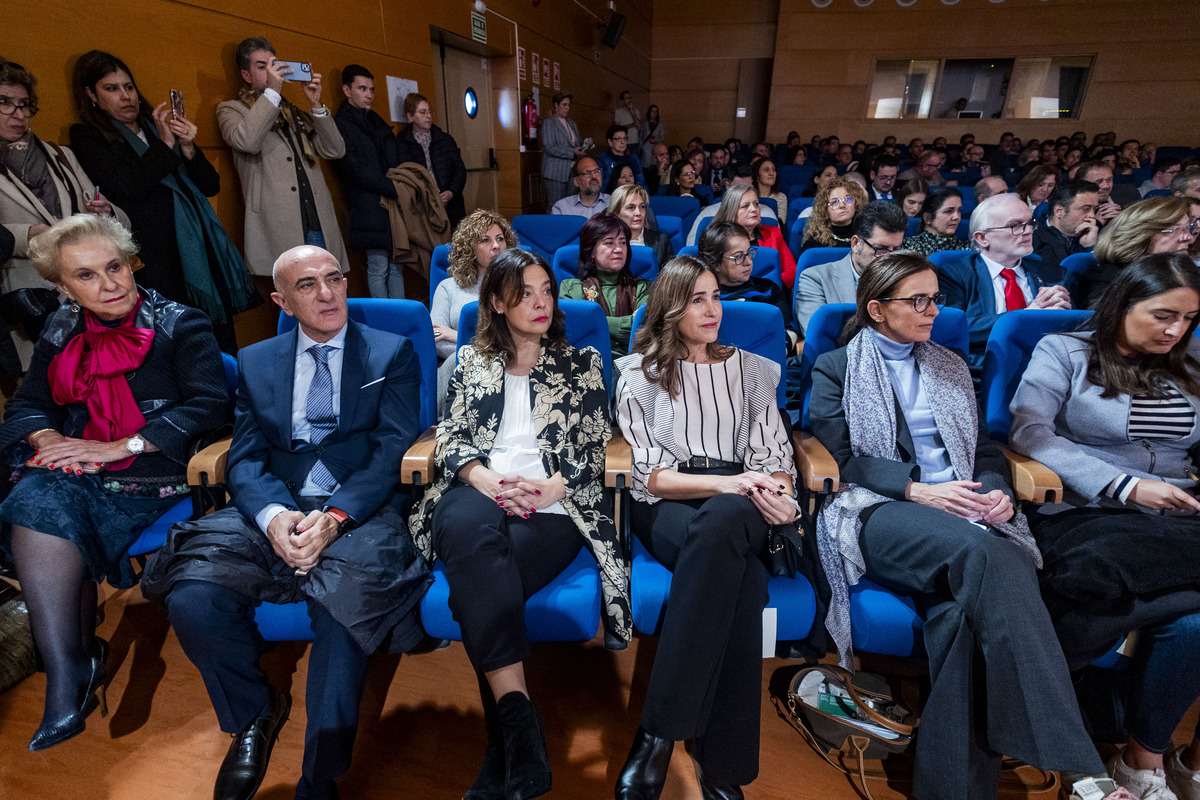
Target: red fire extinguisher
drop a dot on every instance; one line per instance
(529, 114)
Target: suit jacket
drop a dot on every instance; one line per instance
(968, 285)
(558, 153)
(378, 422)
(20, 209)
(883, 475)
(873, 195)
(824, 284)
(263, 158)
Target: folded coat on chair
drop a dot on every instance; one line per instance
(418, 218)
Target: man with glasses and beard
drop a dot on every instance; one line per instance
(589, 201)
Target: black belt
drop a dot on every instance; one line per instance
(707, 464)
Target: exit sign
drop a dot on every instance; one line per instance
(478, 27)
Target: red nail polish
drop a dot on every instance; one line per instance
(500, 504)
(538, 491)
(67, 470)
(39, 461)
(498, 497)
(78, 472)
(526, 516)
(501, 482)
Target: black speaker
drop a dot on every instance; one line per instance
(614, 29)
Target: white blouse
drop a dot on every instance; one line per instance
(516, 449)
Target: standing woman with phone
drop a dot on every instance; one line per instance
(148, 158)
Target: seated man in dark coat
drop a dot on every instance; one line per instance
(324, 416)
(1070, 225)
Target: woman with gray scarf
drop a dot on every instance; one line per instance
(925, 509)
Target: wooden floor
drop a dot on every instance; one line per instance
(421, 735)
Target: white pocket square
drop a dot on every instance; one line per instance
(372, 383)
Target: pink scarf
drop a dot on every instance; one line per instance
(91, 369)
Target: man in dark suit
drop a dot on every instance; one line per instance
(1070, 225)
(883, 178)
(1001, 275)
(324, 416)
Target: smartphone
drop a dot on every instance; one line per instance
(301, 71)
(177, 104)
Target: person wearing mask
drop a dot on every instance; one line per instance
(431, 147)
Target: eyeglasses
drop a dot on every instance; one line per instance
(741, 258)
(691, 173)
(589, 173)
(879, 250)
(1017, 228)
(8, 107)
(844, 201)
(919, 302)
(1190, 228)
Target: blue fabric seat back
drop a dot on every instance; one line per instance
(1076, 266)
(545, 233)
(642, 262)
(686, 208)
(770, 203)
(813, 257)
(672, 227)
(797, 175)
(439, 267)
(914, 226)
(1158, 193)
(1009, 347)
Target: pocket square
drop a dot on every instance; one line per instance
(372, 383)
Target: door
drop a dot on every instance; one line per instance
(463, 85)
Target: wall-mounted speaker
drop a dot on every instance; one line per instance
(613, 30)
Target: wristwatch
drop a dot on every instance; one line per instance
(135, 444)
(344, 520)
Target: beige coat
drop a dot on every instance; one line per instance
(20, 209)
(417, 216)
(263, 159)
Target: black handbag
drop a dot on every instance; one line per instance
(29, 308)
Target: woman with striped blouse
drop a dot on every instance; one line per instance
(712, 472)
(1114, 410)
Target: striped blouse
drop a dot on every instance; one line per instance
(1166, 417)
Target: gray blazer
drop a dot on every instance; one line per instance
(1059, 418)
(823, 284)
(558, 151)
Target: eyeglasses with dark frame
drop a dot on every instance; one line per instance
(919, 302)
(881, 250)
(740, 258)
(1016, 228)
(8, 107)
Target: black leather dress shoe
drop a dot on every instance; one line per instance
(711, 789)
(645, 770)
(245, 764)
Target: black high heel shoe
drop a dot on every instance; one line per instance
(645, 770)
(50, 734)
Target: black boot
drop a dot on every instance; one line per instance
(489, 784)
(645, 770)
(712, 789)
(526, 765)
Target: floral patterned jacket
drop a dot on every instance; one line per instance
(571, 417)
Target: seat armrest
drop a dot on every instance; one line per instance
(1032, 480)
(207, 468)
(618, 463)
(816, 467)
(416, 468)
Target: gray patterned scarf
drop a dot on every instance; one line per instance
(872, 423)
(27, 162)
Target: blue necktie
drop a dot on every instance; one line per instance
(319, 411)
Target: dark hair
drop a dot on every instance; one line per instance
(594, 231)
(676, 170)
(657, 113)
(884, 160)
(715, 239)
(1164, 163)
(881, 278)
(740, 171)
(912, 186)
(882, 214)
(505, 281)
(615, 175)
(1123, 144)
(716, 148)
(755, 166)
(1065, 193)
(1147, 277)
(792, 151)
(89, 69)
(560, 96)
(613, 130)
(13, 74)
(247, 47)
(352, 71)
(624, 93)
(934, 201)
(1087, 166)
(1034, 177)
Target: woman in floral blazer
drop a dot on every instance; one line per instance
(518, 492)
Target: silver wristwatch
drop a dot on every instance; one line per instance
(135, 444)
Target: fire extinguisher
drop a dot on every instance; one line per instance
(529, 114)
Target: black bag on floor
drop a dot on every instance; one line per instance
(17, 660)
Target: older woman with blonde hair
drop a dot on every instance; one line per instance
(632, 204)
(832, 220)
(1155, 225)
(479, 238)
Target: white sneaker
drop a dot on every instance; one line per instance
(1145, 784)
(1183, 781)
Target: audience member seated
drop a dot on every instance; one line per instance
(989, 187)
(562, 147)
(740, 205)
(699, 161)
(820, 181)
(683, 181)
(632, 205)
(717, 176)
(605, 277)
(726, 248)
(883, 178)
(766, 183)
(619, 153)
(1128, 157)
(312, 471)
(703, 506)
(1187, 184)
(426, 144)
(911, 196)
(740, 175)
(797, 156)
(371, 150)
(878, 230)
(1070, 225)
(928, 168)
(972, 159)
(40, 184)
(1154, 225)
(1165, 170)
(588, 201)
(1112, 410)
(147, 159)
(512, 503)
(1070, 160)
(1037, 185)
(658, 172)
(1101, 174)
(997, 279)
(926, 509)
(123, 382)
(478, 239)
(832, 220)
(622, 175)
(940, 214)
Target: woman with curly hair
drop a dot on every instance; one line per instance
(832, 220)
(516, 500)
(478, 239)
(605, 277)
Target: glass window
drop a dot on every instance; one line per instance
(902, 89)
(1047, 88)
(981, 82)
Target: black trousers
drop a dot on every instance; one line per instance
(494, 563)
(1000, 683)
(706, 684)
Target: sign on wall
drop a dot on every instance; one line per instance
(546, 72)
(521, 63)
(557, 77)
(478, 27)
(398, 89)
(537, 69)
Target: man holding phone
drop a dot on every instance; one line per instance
(277, 148)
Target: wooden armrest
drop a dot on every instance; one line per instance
(818, 471)
(618, 463)
(416, 468)
(208, 466)
(1032, 480)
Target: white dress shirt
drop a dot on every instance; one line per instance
(998, 283)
